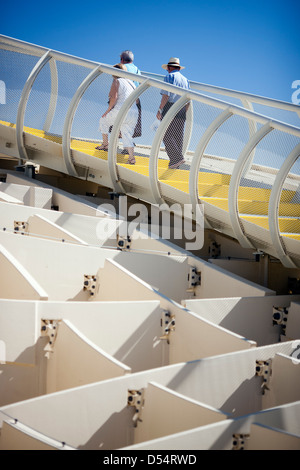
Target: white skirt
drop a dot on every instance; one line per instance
(127, 126)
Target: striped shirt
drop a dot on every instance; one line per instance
(175, 78)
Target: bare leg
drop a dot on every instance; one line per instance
(104, 145)
(105, 139)
(131, 158)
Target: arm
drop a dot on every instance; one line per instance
(113, 95)
(164, 100)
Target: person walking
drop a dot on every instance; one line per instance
(121, 88)
(173, 138)
(127, 58)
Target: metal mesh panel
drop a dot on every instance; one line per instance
(229, 141)
(276, 113)
(150, 100)
(69, 78)
(273, 149)
(39, 100)
(218, 96)
(258, 179)
(203, 116)
(15, 68)
(92, 105)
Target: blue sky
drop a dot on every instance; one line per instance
(251, 46)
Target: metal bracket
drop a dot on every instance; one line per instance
(280, 317)
(90, 283)
(30, 169)
(214, 249)
(194, 279)
(258, 254)
(21, 227)
(238, 441)
(296, 353)
(115, 194)
(49, 328)
(168, 325)
(136, 398)
(123, 243)
(264, 370)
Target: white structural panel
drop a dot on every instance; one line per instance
(251, 317)
(111, 336)
(239, 395)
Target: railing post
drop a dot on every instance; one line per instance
(23, 102)
(238, 169)
(252, 127)
(66, 136)
(188, 127)
(53, 95)
(196, 162)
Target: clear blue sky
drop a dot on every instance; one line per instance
(251, 46)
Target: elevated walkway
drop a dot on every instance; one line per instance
(241, 165)
(143, 307)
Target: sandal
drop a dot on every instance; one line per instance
(131, 161)
(102, 147)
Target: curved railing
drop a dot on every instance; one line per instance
(257, 156)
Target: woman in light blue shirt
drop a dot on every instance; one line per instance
(127, 58)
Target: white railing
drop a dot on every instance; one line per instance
(259, 126)
(247, 100)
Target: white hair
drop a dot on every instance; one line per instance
(127, 56)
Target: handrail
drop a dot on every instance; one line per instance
(226, 111)
(40, 50)
(284, 105)
(241, 95)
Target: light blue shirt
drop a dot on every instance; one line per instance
(175, 78)
(133, 69)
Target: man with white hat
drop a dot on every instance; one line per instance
(173, 138)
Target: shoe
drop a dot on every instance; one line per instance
(102, 147)
(131, 161)
(174, 166)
